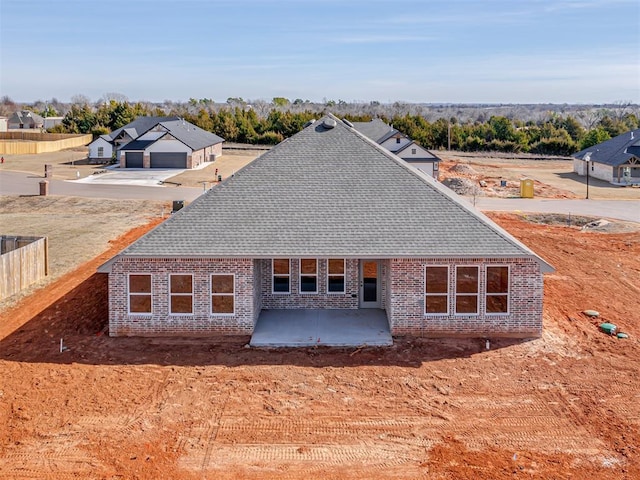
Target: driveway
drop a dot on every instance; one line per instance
(143, 177)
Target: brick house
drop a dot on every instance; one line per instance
(616, 160)
(327, 219)
(157, 142)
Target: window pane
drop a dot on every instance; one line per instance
(222, 284)
(281, 266)
(437, 280)
(181, 304)
(466, 304)
(308, 266)
(497, 304)
(181, 284)
(497, 279)
(140, 303)
(308, 284)
(436, 304)
(336, 266)
(281, 284)
(222, 303)
(140, 283)
(336, 284)
(467, 280)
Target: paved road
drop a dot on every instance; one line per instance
(17, 183)
(628, 210)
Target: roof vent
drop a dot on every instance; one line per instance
(329, 123)
(632, 135)
(310, 122)
(347, 122)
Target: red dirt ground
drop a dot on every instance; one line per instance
(566, 406)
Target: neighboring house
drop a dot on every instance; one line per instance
(400, 144)
(24, 119)
(4, 124)
(157, 142)
(50, 122)
(327, 219)
(617, 160)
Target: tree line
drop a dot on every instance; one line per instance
(269, 123)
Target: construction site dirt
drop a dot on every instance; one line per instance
(76, 403)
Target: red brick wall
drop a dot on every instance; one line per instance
(406, 301)
(202, 322)
(322, 299)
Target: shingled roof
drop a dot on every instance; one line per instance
(329, 191)
(616, 151)
(376, 129)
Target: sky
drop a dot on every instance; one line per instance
(415, 51)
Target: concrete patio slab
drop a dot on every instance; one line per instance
(335, 328)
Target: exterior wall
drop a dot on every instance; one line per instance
(406, 305)
(421, 153)
(207, 154)
(597, 170)
(201, 322)
(257, 292)
(391, 144)
(93, 149)
(322, 299)
(4, 125)
(426, 167)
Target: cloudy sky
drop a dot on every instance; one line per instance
(460, 51)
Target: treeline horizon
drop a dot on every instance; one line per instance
(547, 129)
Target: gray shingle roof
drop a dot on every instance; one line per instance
(616, 151)
(139, 126)
(329, 192)
(376, 129)
(194, 137)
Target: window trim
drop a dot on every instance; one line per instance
(456, 294)
(192, 295)
(300, 275)
(211, 294)
(508, 292)
(129, 293)
(343, 275)
(448, 294)
(273, 276)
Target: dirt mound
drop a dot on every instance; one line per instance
(463, 168)
(463, 186)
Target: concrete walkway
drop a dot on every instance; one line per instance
(308, 328)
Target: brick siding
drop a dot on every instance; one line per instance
(406, 309)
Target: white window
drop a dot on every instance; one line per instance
(397, 139)
(223, 298)
(436, 290)
(281, 275)
(308, 275)
(139, 293)
(336, 275)
(413, 151)
(497, 295)
(467, 285)
(181, 294)
(100, 152)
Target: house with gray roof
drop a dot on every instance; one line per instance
(616, 160)
(25, 119)
(157, 142)
(327, 222)
(400, 144)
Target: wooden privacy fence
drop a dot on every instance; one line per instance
(23, 143)
(23, 261)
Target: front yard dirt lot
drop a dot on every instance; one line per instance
(565, 406)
